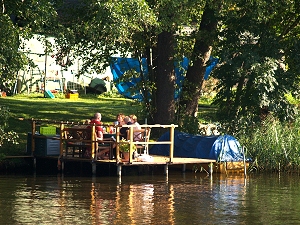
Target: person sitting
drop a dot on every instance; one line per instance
(102, 151)
(123, 130)
(97, 121)
(137, 135)
(120, 118)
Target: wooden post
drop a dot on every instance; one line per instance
(183, 168)
(117, 144)
(130, 143)
(94, 168)
(93, 143)
(33, 128)
(62, 127)
(59, 163)
(94, 146)
(171, 143)
(119, 170)
(34, 163)
(166, 171)
(244, 161)
(211, 168)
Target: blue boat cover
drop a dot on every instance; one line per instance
(224, 148)
(120, 65)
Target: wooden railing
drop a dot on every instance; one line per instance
(149, 142)
(65, 126)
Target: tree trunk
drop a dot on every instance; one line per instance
(165, 79)
(238, 95)
(195, 75)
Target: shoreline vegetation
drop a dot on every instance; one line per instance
(272, 146)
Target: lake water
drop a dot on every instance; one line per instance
(177, 199)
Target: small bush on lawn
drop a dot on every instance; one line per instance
(7, 137)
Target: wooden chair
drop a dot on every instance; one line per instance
(142, 135)
(78, 140)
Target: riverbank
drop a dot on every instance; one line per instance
(272, 145)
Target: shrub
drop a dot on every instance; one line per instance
(7, 137)
(274, 145)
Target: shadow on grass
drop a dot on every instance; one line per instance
(23, 109)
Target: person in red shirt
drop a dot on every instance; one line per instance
(102, 149)
(97, 121)
(99, 133)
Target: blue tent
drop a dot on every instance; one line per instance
(120, 65)
(224, 148)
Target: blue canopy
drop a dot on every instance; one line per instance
(120, 65)
(224, 148)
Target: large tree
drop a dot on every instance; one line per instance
(101, 29)
(258, 47)
(205, 36)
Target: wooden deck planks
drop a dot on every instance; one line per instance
(157, 160)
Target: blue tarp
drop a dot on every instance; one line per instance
(120, 65)
(223, 148)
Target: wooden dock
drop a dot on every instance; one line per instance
(62, 155)
(157, 160)
(185, 163)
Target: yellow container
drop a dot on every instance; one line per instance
(72, 96)
(48, 130)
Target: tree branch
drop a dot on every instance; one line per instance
(289, 28)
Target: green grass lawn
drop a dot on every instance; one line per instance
(23, 108)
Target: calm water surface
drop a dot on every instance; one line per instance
(177, 199)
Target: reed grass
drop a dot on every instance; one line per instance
(274, 146)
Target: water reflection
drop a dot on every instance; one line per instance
(177, 199)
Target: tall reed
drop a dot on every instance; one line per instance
(274, 146)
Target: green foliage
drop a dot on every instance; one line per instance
(189, 124)
(257, 68)
(11, 60)
(4, 115)
(144, 88)
(97, 30)
(257, 43)
(124, 146)
(291, 99)
(6, 137)
(19, 21)
(274, 145)
(201, 125)
(111, 94)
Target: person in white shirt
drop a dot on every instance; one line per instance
(133, 120)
